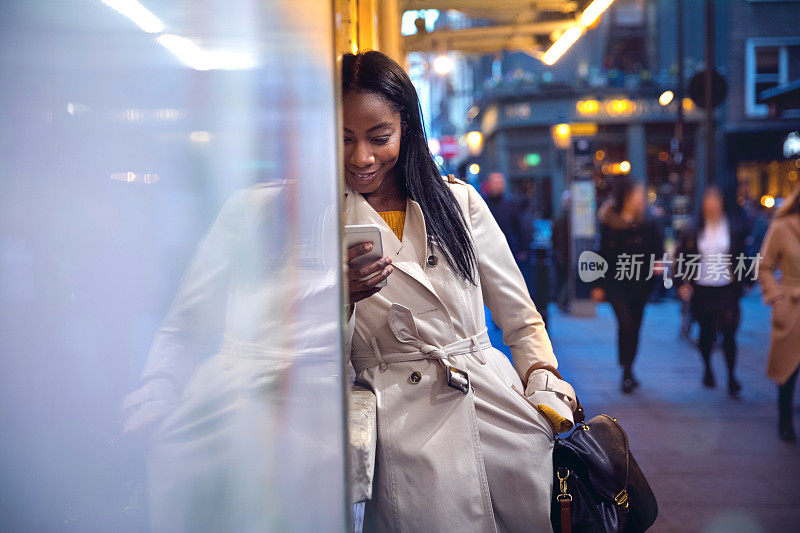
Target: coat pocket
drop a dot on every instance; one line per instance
(538, 414)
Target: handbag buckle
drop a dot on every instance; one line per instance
(457, 378)
(621, 500)
(563, 474)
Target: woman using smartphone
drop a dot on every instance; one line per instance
(465, 439)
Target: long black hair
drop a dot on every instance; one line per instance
(417, 173)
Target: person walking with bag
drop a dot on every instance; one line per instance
(465, 439)
(628, 242)
(781, 252)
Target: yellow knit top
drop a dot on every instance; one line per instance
(396, 220)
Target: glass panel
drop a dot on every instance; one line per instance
(767, 61)
(169, 267)
(794, 62)
(763, 86)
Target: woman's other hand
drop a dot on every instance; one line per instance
(364, 289)
(598, 295)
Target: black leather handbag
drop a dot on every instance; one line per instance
(597, 485)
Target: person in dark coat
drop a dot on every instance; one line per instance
(706, 262)
(561, 253)
(510, 216)
(633, 247)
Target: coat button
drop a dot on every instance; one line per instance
(433, 260)
(416, 377)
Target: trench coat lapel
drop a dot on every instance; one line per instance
(408, 255)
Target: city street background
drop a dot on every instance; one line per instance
(714, 463)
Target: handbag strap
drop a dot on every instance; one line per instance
(578, 415)
(564, 500)
(566, 519)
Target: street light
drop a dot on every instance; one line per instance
(568, 38)
(588, 107)
(561, 45)
(619, 107)
(561, 136)
(474, 141)
(594, 11)
(442, 65)
(474, 169)
(665, 98)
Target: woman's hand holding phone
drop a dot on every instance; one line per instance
(355, 274)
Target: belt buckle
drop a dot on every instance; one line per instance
(457, 378)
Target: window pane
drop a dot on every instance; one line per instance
(794, 62)
(767, 60)
(763, 86)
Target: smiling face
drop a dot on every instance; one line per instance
(372, 135)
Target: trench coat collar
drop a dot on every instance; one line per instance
(409, 255)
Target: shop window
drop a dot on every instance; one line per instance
(769, 62)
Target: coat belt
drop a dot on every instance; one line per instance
(234, 348)
(470, 345)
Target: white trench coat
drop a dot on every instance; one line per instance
(446, 460)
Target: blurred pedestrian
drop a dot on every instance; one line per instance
(712, 244)
(510, 215)
(781, 251)
(561, 253)
(628, 242)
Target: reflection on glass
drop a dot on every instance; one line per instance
(150, 382)
(238, 437)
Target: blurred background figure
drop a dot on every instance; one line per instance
(511, 216)
(716, 240)
(561, 254)
(628, 242)
(781, 253)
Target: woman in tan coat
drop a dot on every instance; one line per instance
(465, 439)
(781, 252)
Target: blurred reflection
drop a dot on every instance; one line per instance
(238, 438)
(115, 159)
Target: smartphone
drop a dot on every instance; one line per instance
(358, 233)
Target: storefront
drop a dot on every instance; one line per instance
(764, 171)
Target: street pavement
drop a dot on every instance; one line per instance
(714, 463)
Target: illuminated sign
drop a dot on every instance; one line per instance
(533, 159)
